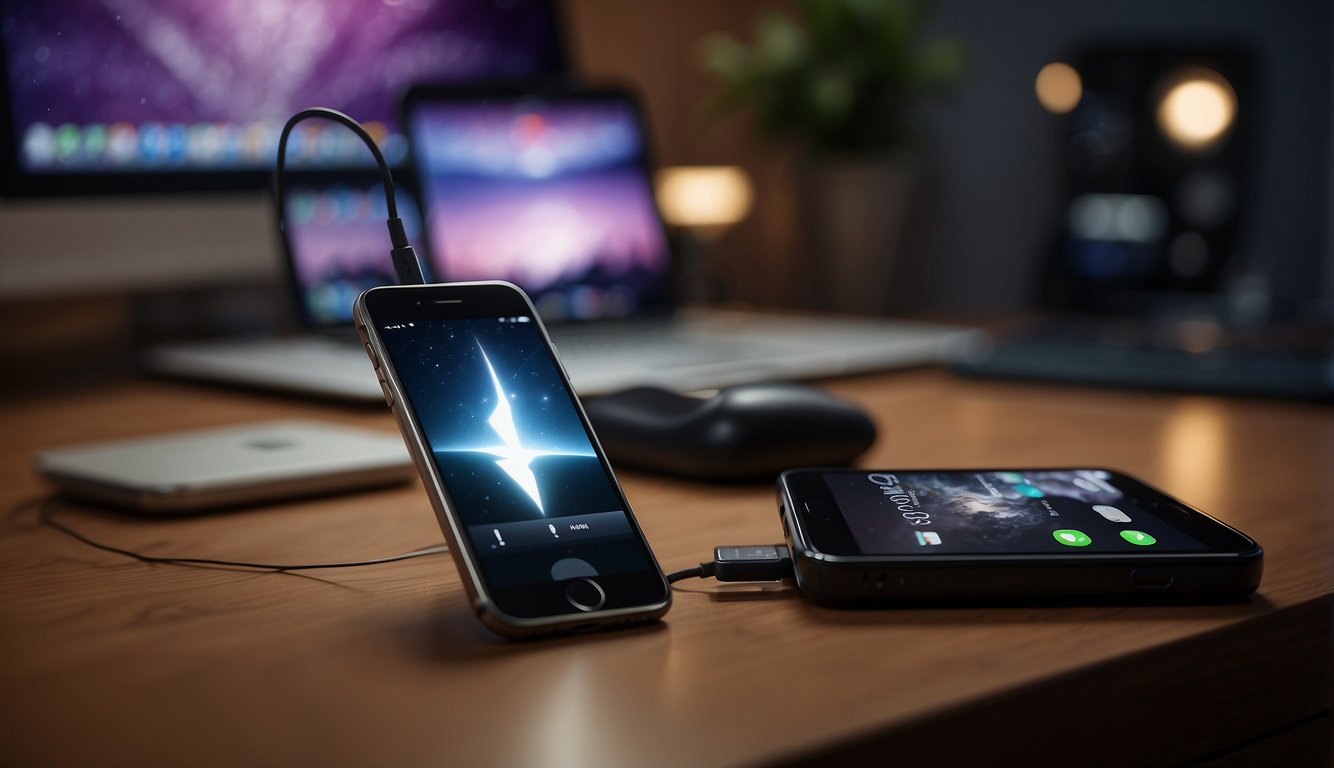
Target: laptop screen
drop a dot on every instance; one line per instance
(338, 246)
(551, 193)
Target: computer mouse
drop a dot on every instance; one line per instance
(744, 432)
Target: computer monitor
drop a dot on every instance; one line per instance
(158, 97)
(153, 95)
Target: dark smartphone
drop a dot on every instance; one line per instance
(539, 528)
(862, 536)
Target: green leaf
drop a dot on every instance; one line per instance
(940, 63)
(781, 44)
(724, 56)
(843, 76)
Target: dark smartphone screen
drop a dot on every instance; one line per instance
(537, 501)
(999, 512)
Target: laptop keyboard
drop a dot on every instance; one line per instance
(666, 347)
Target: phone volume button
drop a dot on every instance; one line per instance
(388, 395)
(375, 360)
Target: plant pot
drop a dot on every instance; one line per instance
(854, 212)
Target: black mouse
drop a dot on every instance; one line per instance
(744, 432)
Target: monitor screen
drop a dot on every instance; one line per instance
(550, 193)
(118, 95)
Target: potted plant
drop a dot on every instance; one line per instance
(843, 79)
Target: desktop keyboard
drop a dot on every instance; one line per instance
(1279, 362)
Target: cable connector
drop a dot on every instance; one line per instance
(755, 562)
(407, 267)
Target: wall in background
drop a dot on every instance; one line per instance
(991, 197)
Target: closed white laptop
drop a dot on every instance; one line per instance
(227, 466)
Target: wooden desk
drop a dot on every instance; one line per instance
(106, 661)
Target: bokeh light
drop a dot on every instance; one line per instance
(1059, 87)
(1197, 108)
(704, 195)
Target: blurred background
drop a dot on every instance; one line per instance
(1032, 161)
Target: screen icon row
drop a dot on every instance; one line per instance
(206, 145)
(1074, 538)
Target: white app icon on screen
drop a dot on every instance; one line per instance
(1111, 513)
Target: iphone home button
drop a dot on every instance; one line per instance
(585, 594)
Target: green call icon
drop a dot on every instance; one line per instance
(1139, 538)
(1072, 538)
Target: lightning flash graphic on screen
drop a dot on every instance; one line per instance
(513, 457)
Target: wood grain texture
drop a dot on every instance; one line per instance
(107, 661)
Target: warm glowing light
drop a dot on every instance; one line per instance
(1058, 87)
(1197, 109)
(1194, 451)
(704, 196)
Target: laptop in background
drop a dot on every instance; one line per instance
(549, 188)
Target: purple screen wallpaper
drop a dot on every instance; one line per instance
(207, 84)
(552, 197)
(341, 248)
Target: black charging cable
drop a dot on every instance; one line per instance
(764, 562)
(406, 264)
(52, 504)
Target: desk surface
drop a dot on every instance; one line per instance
(104, 660)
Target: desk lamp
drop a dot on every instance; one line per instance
(702, 203)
